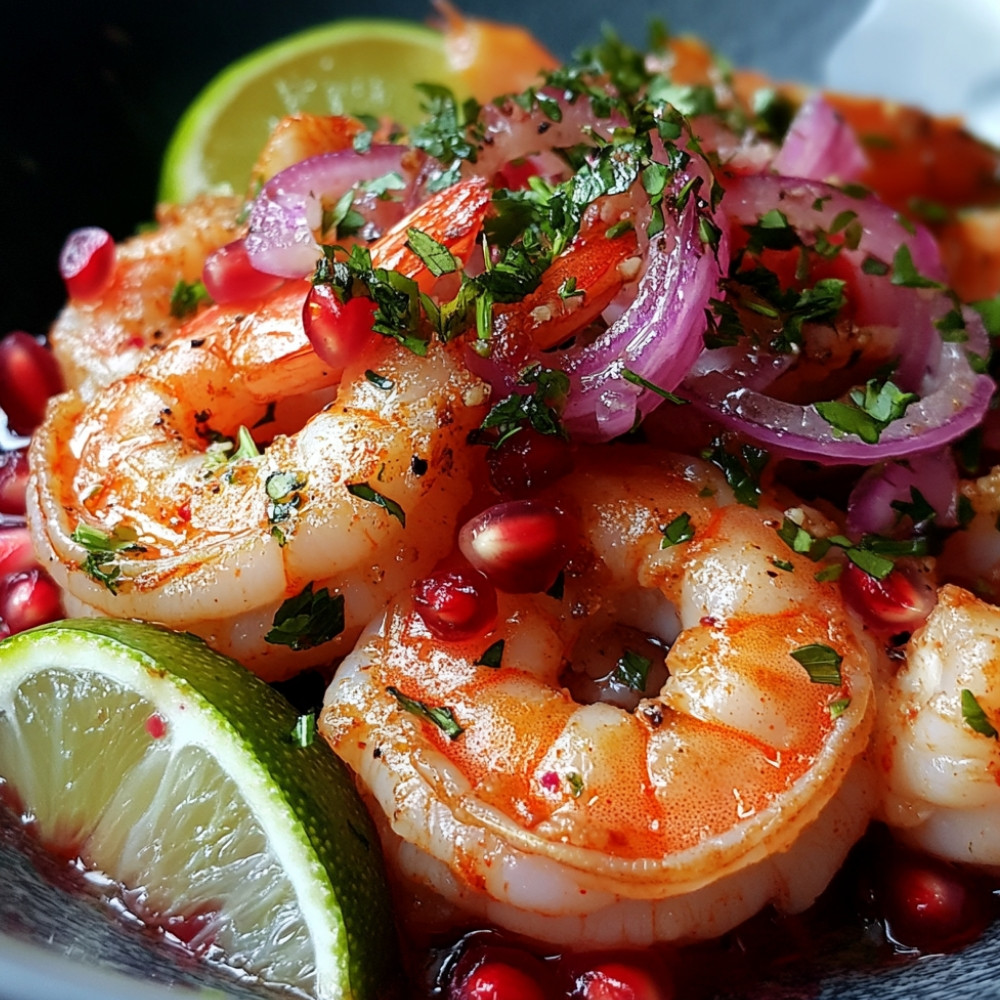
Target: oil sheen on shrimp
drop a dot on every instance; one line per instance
(100, 340)
(734, 778)
(936, 739)
(212, 540)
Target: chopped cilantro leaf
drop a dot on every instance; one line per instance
(869, 411)
(678, 531)
(975, 717)
(632, 670)
(364, 492)
(821, 663)
(539, 409)
(307, 619)
(492, 655)
(186, 297)
(442, 717)
(742, 469)
(905, 273)
(437, 258)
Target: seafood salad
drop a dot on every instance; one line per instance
(621, 453)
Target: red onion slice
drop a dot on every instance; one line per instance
(953, 396)
(657, 338)
(934, 475)
(289, 208)
(820, 146)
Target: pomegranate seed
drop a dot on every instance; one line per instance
(521, 545)
(494, 980)
(338, 331)
(228, 275)
(619, 981)
(528, 461)
(29, 374)
(156, 727)
(456, 603)
(16, 551)
(28, 599)
(13, 481)
(896, 603)
(930, 904)
(87, 262)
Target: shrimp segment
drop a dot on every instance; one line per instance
(938, 763)
(582, 822)
(98, 341)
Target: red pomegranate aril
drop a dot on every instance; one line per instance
(456, 603)
(87, 262)
(29, 375)
(521, 545)
(494, 980)
(931, 905)
(338, 331)
(620, 981)
(13, 481)
(28, 599)
(16, 551)
(228, 275)
(528, 461)
(896, 603)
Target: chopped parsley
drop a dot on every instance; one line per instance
(975, 717)
(102, 547)
(742, 469)
(632, 670)
(492, 656)
(678, 531)
(442, 717)
(538, 409)
(575, 784)
(308, 619)
(365, 492)
(821, 663)
(186, 297)
(869, 411)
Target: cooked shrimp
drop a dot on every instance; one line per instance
(100, 340)
(153, 501)
(731, 780)
(936, 740)
(299, 136)
(216, 550)
(971, 557)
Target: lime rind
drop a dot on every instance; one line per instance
(302, 797)
(183, 173)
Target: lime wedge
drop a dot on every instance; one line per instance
(363, 66)
(176, 772)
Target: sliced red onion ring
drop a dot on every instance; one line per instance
(289, 208)
(953, 397)
(820, 146)
(657, 338)
(934, 475)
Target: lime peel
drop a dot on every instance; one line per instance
(301, 799)
(353, 66)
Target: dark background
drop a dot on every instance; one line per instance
(91, 93)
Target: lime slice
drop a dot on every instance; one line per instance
(175, 771)
(363, 66)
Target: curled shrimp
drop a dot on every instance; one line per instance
(99, 340)
(239, 487)
(936, 740)
(530, 793)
